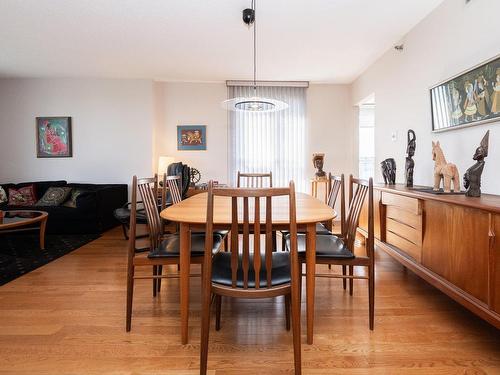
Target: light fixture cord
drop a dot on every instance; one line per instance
(254, 49)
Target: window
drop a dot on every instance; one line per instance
(366, 140)
(275, 141)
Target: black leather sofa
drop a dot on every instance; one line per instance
(93, 212)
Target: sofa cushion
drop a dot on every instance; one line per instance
(75, 193)
(3, 195)
(54, 196)
(24, 196)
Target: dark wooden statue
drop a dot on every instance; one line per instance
(410, 151)
(389, 171)
(472, 178)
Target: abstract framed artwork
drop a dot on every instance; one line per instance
(53, 137)
(191, 137)
(469, 98)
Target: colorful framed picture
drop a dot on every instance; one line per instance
(191, 137)
(469, 98)
(53, 137)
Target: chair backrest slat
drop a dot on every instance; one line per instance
(248, 263)
(254, 180)
(148, 189)
(173, 184)
(336, 185)
(357, 197)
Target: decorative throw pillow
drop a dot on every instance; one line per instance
(3, 195)
(24, 196)
(71, 202)
(54, 196)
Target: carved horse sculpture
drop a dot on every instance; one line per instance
(444, 170)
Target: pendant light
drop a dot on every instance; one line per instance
(254, 103)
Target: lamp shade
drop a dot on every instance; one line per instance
(163, 163)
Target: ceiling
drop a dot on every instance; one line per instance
(201, 40)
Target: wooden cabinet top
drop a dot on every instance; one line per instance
(487, 202)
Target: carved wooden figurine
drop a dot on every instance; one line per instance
(389, 171)
(318, 160)
(410, 151)
(444, 171)
(472, 178)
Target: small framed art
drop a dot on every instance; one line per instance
(53, 137)
(191, 137)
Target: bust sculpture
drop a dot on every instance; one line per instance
(472, 178)
(318, 160)
(410, 151)
(389, 171)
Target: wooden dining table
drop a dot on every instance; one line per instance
(191, 214)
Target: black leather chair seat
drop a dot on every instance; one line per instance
(327, 246)
(122, 214)
(280, 273)
(170, 246)
(320, 229)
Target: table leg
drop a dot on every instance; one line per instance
(185, 256)
(310, 278)
(43, 224)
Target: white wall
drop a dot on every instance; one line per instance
(193, 104)
(112, 122)
(330, 115)
(453, 38)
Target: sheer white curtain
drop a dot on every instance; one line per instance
(275, 141)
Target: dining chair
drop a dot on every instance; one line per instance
(339, 250)
(254, 180)
(335, 186)
(164, 248)
(256, 274)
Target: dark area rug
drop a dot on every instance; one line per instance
(20, 253)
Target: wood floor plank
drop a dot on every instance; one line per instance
(68, 317)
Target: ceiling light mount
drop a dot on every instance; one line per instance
(254, 103)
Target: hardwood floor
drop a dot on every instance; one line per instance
(68, 317)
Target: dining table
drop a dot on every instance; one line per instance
(191, 215)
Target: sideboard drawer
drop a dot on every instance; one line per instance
(404, 245)
(405, 203)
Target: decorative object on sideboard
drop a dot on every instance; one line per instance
(194, 176)
(388, 167)
(191, 137)
(444, 171)
(318, 161)
(163, 163)
(410, 163)
(472, 178)
(469, 98)
(53, 137)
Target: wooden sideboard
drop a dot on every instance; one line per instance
(448, 240)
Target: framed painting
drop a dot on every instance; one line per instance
(53, 137)
(191, 137)
(469, 98)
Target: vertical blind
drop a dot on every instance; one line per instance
(274, 141)
(366, 141)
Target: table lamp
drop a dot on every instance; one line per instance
(163, 163)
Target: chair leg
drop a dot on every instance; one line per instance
(283, 243)
(130, 296)
(344, 281)
(371, 295)
(218, 305)
(287, 312)
(158, 281)
(351, 280)
(295, 302)
(155, 283)
(226, 243)
(125, 231)
(205, 329)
